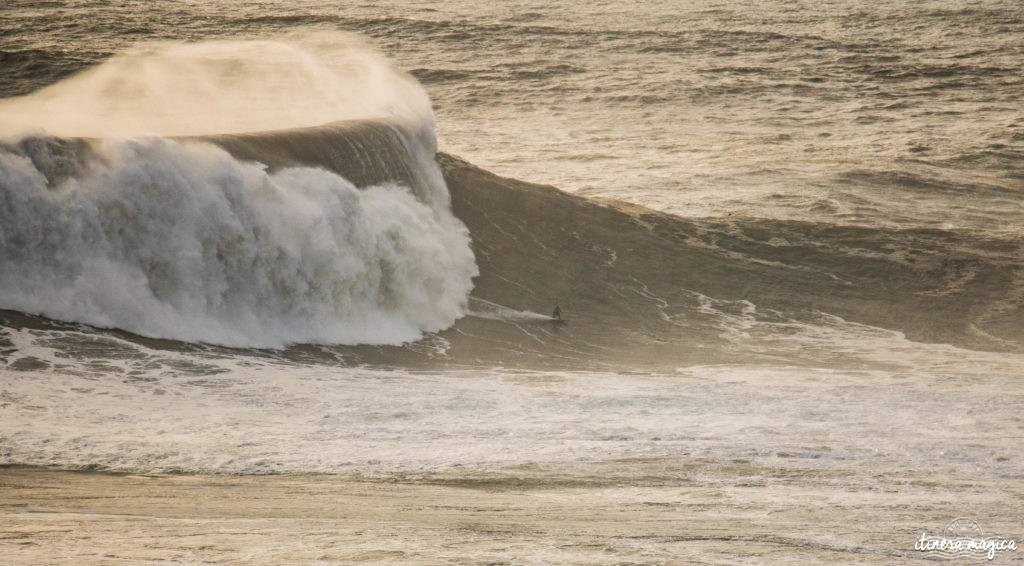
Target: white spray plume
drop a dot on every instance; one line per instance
(217, 87)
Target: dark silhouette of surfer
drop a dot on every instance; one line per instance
(557, 315)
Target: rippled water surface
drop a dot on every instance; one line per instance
(854, 112)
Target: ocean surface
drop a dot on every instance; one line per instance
(258, 237)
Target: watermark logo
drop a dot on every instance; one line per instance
(963, 538)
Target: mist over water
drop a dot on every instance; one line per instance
(222, 87)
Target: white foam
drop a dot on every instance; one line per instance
(481, 308)
(180, 240)
(141, 409)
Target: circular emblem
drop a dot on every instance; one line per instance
(962, 527)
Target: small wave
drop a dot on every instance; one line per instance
(739, 70)
(21, 71)
(936, 71)
(430, 76)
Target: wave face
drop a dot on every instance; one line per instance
(341, 234)
(645, 289)
(640, 289)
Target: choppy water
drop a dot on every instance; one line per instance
(882, 113)
(107, 403)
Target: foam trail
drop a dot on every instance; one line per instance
(481, 308)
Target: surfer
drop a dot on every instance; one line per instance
(557, 315)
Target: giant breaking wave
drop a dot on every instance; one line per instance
(105, 221)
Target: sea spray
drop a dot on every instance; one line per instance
(218, 87)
